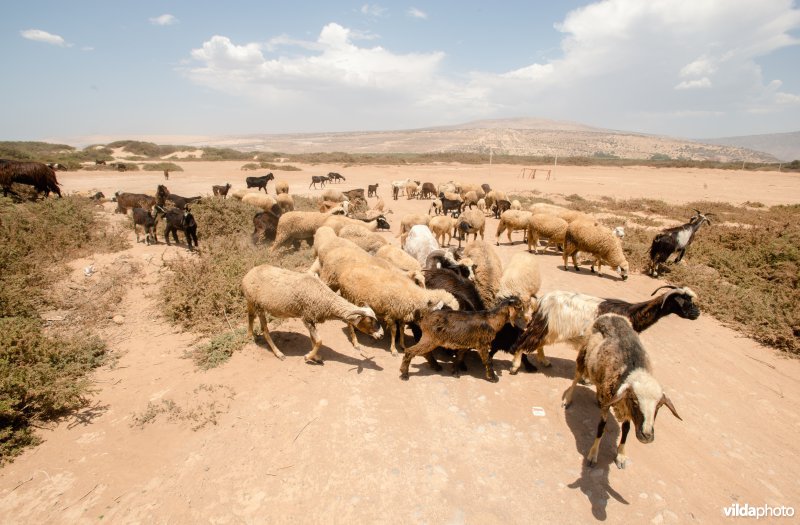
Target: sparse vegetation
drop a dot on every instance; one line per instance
(219, 348)
(161, 166)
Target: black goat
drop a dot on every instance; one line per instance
(499, 207)
(221, 190)
(265, 224)
(163, 195)
(674, 240)
(567, 317)
(318, 179)
(372, 190)
(259, 182)
(142, 217)
(181, 220)
(335, 177)
(486, 188)
(451, 206)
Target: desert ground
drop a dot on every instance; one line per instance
(349, 442)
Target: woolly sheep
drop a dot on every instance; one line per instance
(494, 196)
(333, 195)
(363, 237)
(420, 242)
(436, 206)
(547, 226)
(470, 199)
(512, 220)
(516, 205)
(286, 294)
(482, 205)
(393, 298)
(410, 221)
(379, 206)
(588, 237)
(559, 211)
(264, 202)
(521, 278)
(471, 221)
(442, 227)
(281, 186)
(337, 222)
(285, 201)
(488, 270)
(411, 189)
(296, 226)
(402, 260)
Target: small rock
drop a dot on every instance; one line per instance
(118, 319)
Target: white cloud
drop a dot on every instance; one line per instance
(373, 10)
(416, 13)
(87, 48)
(163, 20)
(43, 36)
(701, 83)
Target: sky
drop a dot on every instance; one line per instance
(684, 68)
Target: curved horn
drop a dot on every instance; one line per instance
(697, 211)
(665, 286)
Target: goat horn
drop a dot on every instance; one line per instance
(698, 211)
(665, 286)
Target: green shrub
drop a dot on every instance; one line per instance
(219, 349)
(161, 166)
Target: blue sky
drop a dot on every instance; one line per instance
(691, 68)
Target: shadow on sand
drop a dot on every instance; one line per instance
(293, 344)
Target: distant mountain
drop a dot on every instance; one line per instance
(783, 146)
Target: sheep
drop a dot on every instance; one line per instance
(337, 222)
(428, 190)
(468, 187)
(333, 195)
(436, 206)
(142, 217)
(403, 261)
(589, 237)
(363, 237)
(397, 186)
(448, 186)
(510, 221)
(287, 294)
(265, 224)
(488, 270)
(393, 297)
(461, 331)
(521, 278)
(453, 196)
(486, 188)
(674, 240)
(410, 221)
(471, 221)
(239, 194)
(285, 201)
(618, 231)
(420, 242)
(442, 227)
(559, 211)
(380, 205)
(264, 202)
(614, 359)
(500, 207)
(470, 199)
(553, 228)
(296, 226)
(482, 206)
(220, 191)
(372, 190)
(516, 205)
(326, 206)
(494, 196)
(281, 186)
(411, 189)
(567, 316)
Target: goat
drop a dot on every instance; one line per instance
(182, 220)
(221, 190)
(486, 188)
(614, 359)
(372, 190)
(428, 190)
(133, 200)
(143, 218)
(166, 174)
(499, 207)
(265, 224)
(335, 177)
(461, 331)
(451, 206)
(353, 194)
(318, 179)
(40, 176)
(674, 240)
(259, 182)
(163, 195)
(567, 316)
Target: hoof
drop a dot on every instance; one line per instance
(493, 379)
(591, 462)
(513, 371)
(281, 357)
(404, 377)
(456, 372)
(621, 461)
(314, 360)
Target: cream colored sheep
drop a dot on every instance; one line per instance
(333, 195)
(403, 261)
(265, 202)
(239, 194)
(511, 221)
(453, 196)
(326, 206)
(337, 222)
(449, 186)
(296, 226)
(515, 205)
(286, 294)
(379, 205)
(494, 196)
(559, 211)
(547, 226)
(393, 298)
(285, 201)
(521, 278)
(410, 221)
(482, 205)
(470, 199)
(411, 189)
(368, 240)
(593, 238)
(436, 206)
(471, 221)
(281, 186)
(488, 270)
(442, 227)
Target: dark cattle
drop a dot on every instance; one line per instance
(163, 195)
(372, 190)
(133, 200)
(145, 219)
(500, 206)
(259, 182)
(428, 190)
(35, 174)
(354, 194)
(335, 177)
(265, 224)
(181, 220)
(315, 179)
(221, 190)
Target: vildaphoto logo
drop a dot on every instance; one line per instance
(738, 510)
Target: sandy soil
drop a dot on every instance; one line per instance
(258, 440)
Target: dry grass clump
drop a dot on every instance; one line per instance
(223, 217)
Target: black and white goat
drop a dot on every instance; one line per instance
(674, 240)
(568, 317)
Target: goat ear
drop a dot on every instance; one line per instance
(621, 394)
(666, 401)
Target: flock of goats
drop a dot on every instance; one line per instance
(451, 298)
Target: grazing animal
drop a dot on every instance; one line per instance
(163, 195)
(408, 222)
(296, 226)
(265, 224)
(567, 317)
(499, 207)
(428, 190)
(221, 191)
(179, 220)
(436, 206)
(318, 179)
(511, 221)
(470, 221)
(452, 206)
(287, 294)
(166, 174)
(589, 237)
(372, 190)
(281, 186)
(419, 243)
(442, 228)
(674, 240)
(552, 228)
(488, 270)
(354, 194)
(486, 188)
(40, 176)
(142, 217)
(285, 201)
(259, 182)
(614, 359)
(335, 177)
(133, 200)
(461, 331)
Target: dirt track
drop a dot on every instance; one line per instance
(348, 442)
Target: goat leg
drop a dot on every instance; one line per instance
(488, 364)
(621, 458)
(591, 458)
(457, 362)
